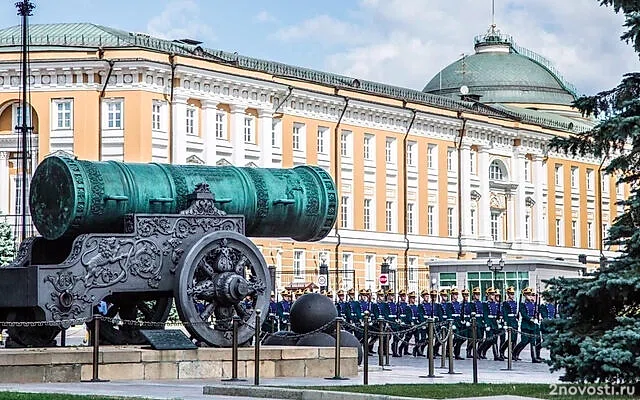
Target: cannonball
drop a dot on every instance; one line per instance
(318, 339)
(311, 312)
(280, 338)
(347, 339)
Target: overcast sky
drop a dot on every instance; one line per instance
(401, 42)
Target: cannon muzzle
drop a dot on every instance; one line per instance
(70, 196)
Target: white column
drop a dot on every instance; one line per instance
(4, 183)
(484, 213)
(265, 121)
(465, 189)
(520, 207)
(179, 136)
(539, 226)
(209, 109)
(237, 134)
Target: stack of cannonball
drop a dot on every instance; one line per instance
(309, 313)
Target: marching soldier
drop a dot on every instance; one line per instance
(392, 318)
(510, 315)
(530, 326)
(270, 324)
(442, 309)
(491, 311)
(465, 318)
(502, 330)
(343, 307)
(548, 311)
(455, 312)
(476, 306)
(378, 310)
(284, 307)
(404, 319)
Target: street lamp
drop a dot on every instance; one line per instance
(495, 268)
(323, 273)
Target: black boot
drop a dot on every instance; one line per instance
(517, 350)
(496, 356)
(469, 350)
(534, 359)
(456, 350)
(538, 348)
(394, 349)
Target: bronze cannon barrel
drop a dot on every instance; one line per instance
(70, 196)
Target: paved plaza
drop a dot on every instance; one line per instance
(401, 370)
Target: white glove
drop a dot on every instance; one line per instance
(535, 321)
(467, 323)
(499, 326)
(487, 329)
(453, 328)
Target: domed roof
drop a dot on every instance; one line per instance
(502, 72)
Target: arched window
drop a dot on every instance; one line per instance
(497, 171)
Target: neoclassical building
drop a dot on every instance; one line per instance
(442, 178)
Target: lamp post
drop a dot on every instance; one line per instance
(323, 273)
(495, 267)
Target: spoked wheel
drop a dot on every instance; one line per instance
(218, 273)
(31, 336)
(156, 310)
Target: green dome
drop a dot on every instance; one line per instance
(499, 73)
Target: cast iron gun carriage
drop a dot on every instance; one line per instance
(139, 235)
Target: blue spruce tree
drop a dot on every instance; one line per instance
(7, 245)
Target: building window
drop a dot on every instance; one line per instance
(389, 216)
(388, 153)
(574, 177)
(495, 171)
(412, 270)
(297, 136)
(472, 162)
(248, 129)
(367, 214)
(63, 114)
(221, 118)
(527, 226)
(432, 156)
(191, 121)
(347, 270)
(494, 226)
(18, 115)
(276, 130)
(527, 171)
(574, 233)
(558, 232)
(410, 156)
(321, 139)
(370, 271)
(519, 280)
(430, 211)
(473, 222)
(558, 174)
(344, 212)
(605, 183)
(448, 279)
(368, 144)
(590, 235)
(589, 179)
(450, 160)
(298, 264)
(450, 222)
(410, 217)
(605, 231)
(345, 148)
(114, 114)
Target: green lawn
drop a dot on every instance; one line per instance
(51, 396)
(447, 391)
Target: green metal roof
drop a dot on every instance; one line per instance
(69, 36)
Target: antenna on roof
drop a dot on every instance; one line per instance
(493, 13)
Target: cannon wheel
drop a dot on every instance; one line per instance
(156, 310)
(31, 336)
(219, 271)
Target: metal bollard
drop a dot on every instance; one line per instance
(430, 352)
(380, 342)
(256, 356)
(96, 349)
(450, 346)
(509, 355)
(442, 358)
(365, 359)
(474, 338)
(63, 338)
(387, 341)
(337, 353)
(234, 352)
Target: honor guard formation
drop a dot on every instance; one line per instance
(405, 317)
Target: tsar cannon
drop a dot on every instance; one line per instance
(138, 236)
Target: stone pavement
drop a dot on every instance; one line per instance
(402, 370)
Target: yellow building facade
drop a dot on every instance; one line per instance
(422, 177)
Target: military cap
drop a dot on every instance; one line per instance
(351, 291)
(324, 292)
(340, 292)
(444, 292)
(390, 292)
(433, 292)
(490, 290)
(362, 292)
(511, 290)
(412, 294)
(380, 292)
(285, 292)
(273, 293)
(402, 292)
(368, 291)
(424, 292)
(528, 291)
(454, 290)
(307, 290)
(299, 292)
(465, 291)
(497, 292)
(476, 290)
(329, 293)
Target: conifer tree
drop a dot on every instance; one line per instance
(598, 337)
(7, 245)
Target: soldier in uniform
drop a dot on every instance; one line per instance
(530, 326)
(424, 312)
(284, 307)
(392, 320)
(442, 310)
(270, 324)
(404, 321)
(343, 307)
(548, 311)
(491, 311)
(455, 312)
(377, 311)
(476, 306)
(510, 315)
